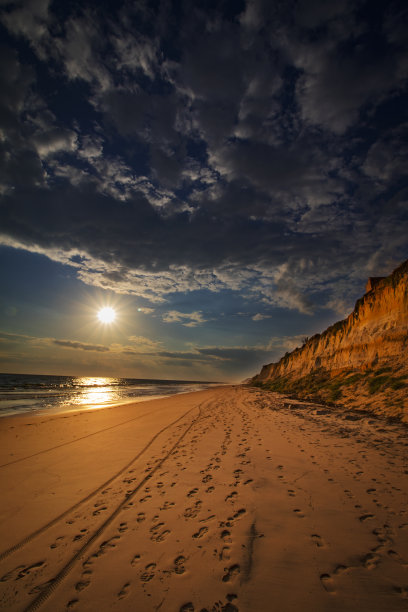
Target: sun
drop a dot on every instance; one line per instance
(106, 315)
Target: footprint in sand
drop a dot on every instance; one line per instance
(230, 572)
(402, 591)
(226, 535)
(27, 570)
(299, 513)
(192, 492)
(158, 536)
(370, 561)
(327, 583)
(365, 517)
(79, 536)
(135, 560)
(179, 565)
(167, 505)
(57, 541)
(149, 573)
(318, 540)
(200, 532)
(156, 527)
(396, 557)
(145, 498)
(340, 569)
(225, 553)
(80, 586)
(231, 496)
(124, 590)
(193, 512)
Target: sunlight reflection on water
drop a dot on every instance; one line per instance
(29, 392)
(96, 391)
(95, 381)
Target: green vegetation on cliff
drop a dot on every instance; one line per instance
(359, 362)
(321, 385)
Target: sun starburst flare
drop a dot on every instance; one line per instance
(106, 315)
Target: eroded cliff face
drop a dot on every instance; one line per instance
(351, 360)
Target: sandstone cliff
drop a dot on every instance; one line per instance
(360, 362)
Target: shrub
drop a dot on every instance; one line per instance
(397, 384)
(336, 394)
(375, 384)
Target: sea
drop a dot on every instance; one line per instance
(28, 393)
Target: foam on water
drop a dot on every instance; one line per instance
(22, 393)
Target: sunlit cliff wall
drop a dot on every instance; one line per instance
(373, 337)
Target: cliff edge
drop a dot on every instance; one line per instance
(360, 362)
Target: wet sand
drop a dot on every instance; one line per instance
(225, 499)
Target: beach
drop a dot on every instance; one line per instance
(226, 499)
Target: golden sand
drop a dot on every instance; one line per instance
(226, 499)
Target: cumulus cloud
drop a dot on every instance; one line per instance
(191, 319)
(218, 162)
(29, 18)
(55, 140)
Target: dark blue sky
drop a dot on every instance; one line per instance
(225, 174)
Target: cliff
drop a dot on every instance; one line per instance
(360, 362)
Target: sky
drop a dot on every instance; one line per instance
(224, 174)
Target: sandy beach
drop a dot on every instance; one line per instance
(225, 499)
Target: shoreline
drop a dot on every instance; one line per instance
(222, 499)
(91, 406)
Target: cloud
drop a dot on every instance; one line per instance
(145, 356)
(7, 337)
(81, 345)
(191, 319)
(30, 19)
(294, 175)
(80, 51)
(135, 53)
(215, 163)
(387, 157)
(143, 343)
(346, 70)
(260, 317)
(55, 141)
(44, 341)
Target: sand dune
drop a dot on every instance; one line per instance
(226, 499)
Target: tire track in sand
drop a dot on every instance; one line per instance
(51, 448)
(85, 499)
(53, 584)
